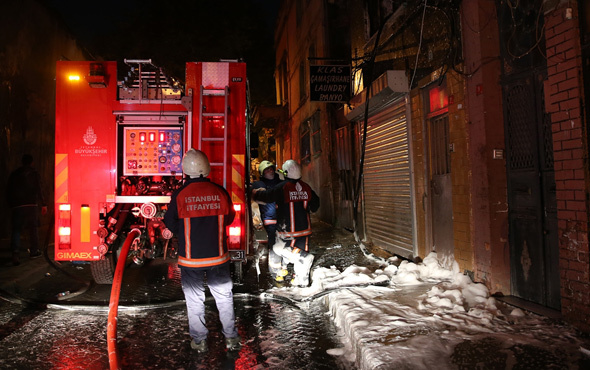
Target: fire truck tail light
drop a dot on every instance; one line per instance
(234, 234)
(64, 231)
(74, 78)
(142, 137)
(237, 207)
(64, 226)
(152, 137)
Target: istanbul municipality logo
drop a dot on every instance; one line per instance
(89, 137)
(90, 150)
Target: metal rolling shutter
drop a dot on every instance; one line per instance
(387, 181)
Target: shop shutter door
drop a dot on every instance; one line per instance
(387, 181)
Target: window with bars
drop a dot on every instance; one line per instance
(310, 138)
(439, 137)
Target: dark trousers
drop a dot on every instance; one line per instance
(25, 219)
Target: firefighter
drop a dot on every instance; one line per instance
(268, 213)
(24, 195)
(198, 214)
(295, 199)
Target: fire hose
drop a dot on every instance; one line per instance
(114, 301)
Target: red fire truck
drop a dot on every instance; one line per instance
(119, 144)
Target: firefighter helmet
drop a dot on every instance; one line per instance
(195, 163)
(264, 165)
(292, 169)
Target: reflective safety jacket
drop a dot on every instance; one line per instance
(198, 214)
(268, 211)
(294, 199)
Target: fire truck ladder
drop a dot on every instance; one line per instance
(207, 118)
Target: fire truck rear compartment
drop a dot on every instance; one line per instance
(135, 131)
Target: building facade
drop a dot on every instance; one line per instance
(467, 127)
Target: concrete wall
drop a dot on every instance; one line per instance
(32, 39)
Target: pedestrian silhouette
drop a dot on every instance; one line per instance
(24, 195)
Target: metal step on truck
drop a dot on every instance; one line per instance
(119, 145)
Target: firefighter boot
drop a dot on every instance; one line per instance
(200, 347)
(274, 263)
(280, 275)
(302, 268)
(233, 344)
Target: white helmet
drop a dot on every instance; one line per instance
(292, 169)
(195, 163)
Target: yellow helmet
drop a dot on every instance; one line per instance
(195, 163)
(264, 165)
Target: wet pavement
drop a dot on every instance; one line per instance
(52, 316)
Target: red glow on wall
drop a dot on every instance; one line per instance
(438, 98)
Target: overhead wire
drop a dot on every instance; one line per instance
(419, 44)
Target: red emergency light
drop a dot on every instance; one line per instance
(152, 137)
(142, 137)
(96, 76)
(438, 98)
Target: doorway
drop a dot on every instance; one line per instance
(441, 199)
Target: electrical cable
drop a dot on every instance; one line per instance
(419, 44)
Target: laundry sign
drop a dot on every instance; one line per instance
(329, 83)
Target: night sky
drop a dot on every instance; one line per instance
(174, 32)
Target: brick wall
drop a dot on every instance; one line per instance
(460, 172)
(563, 98)
(483, 106)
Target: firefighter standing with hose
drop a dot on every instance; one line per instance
(198, 214)
(268, 213)
(295, 199)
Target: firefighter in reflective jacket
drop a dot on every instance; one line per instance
(295, 200)
(198, 214)
(268, 213)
